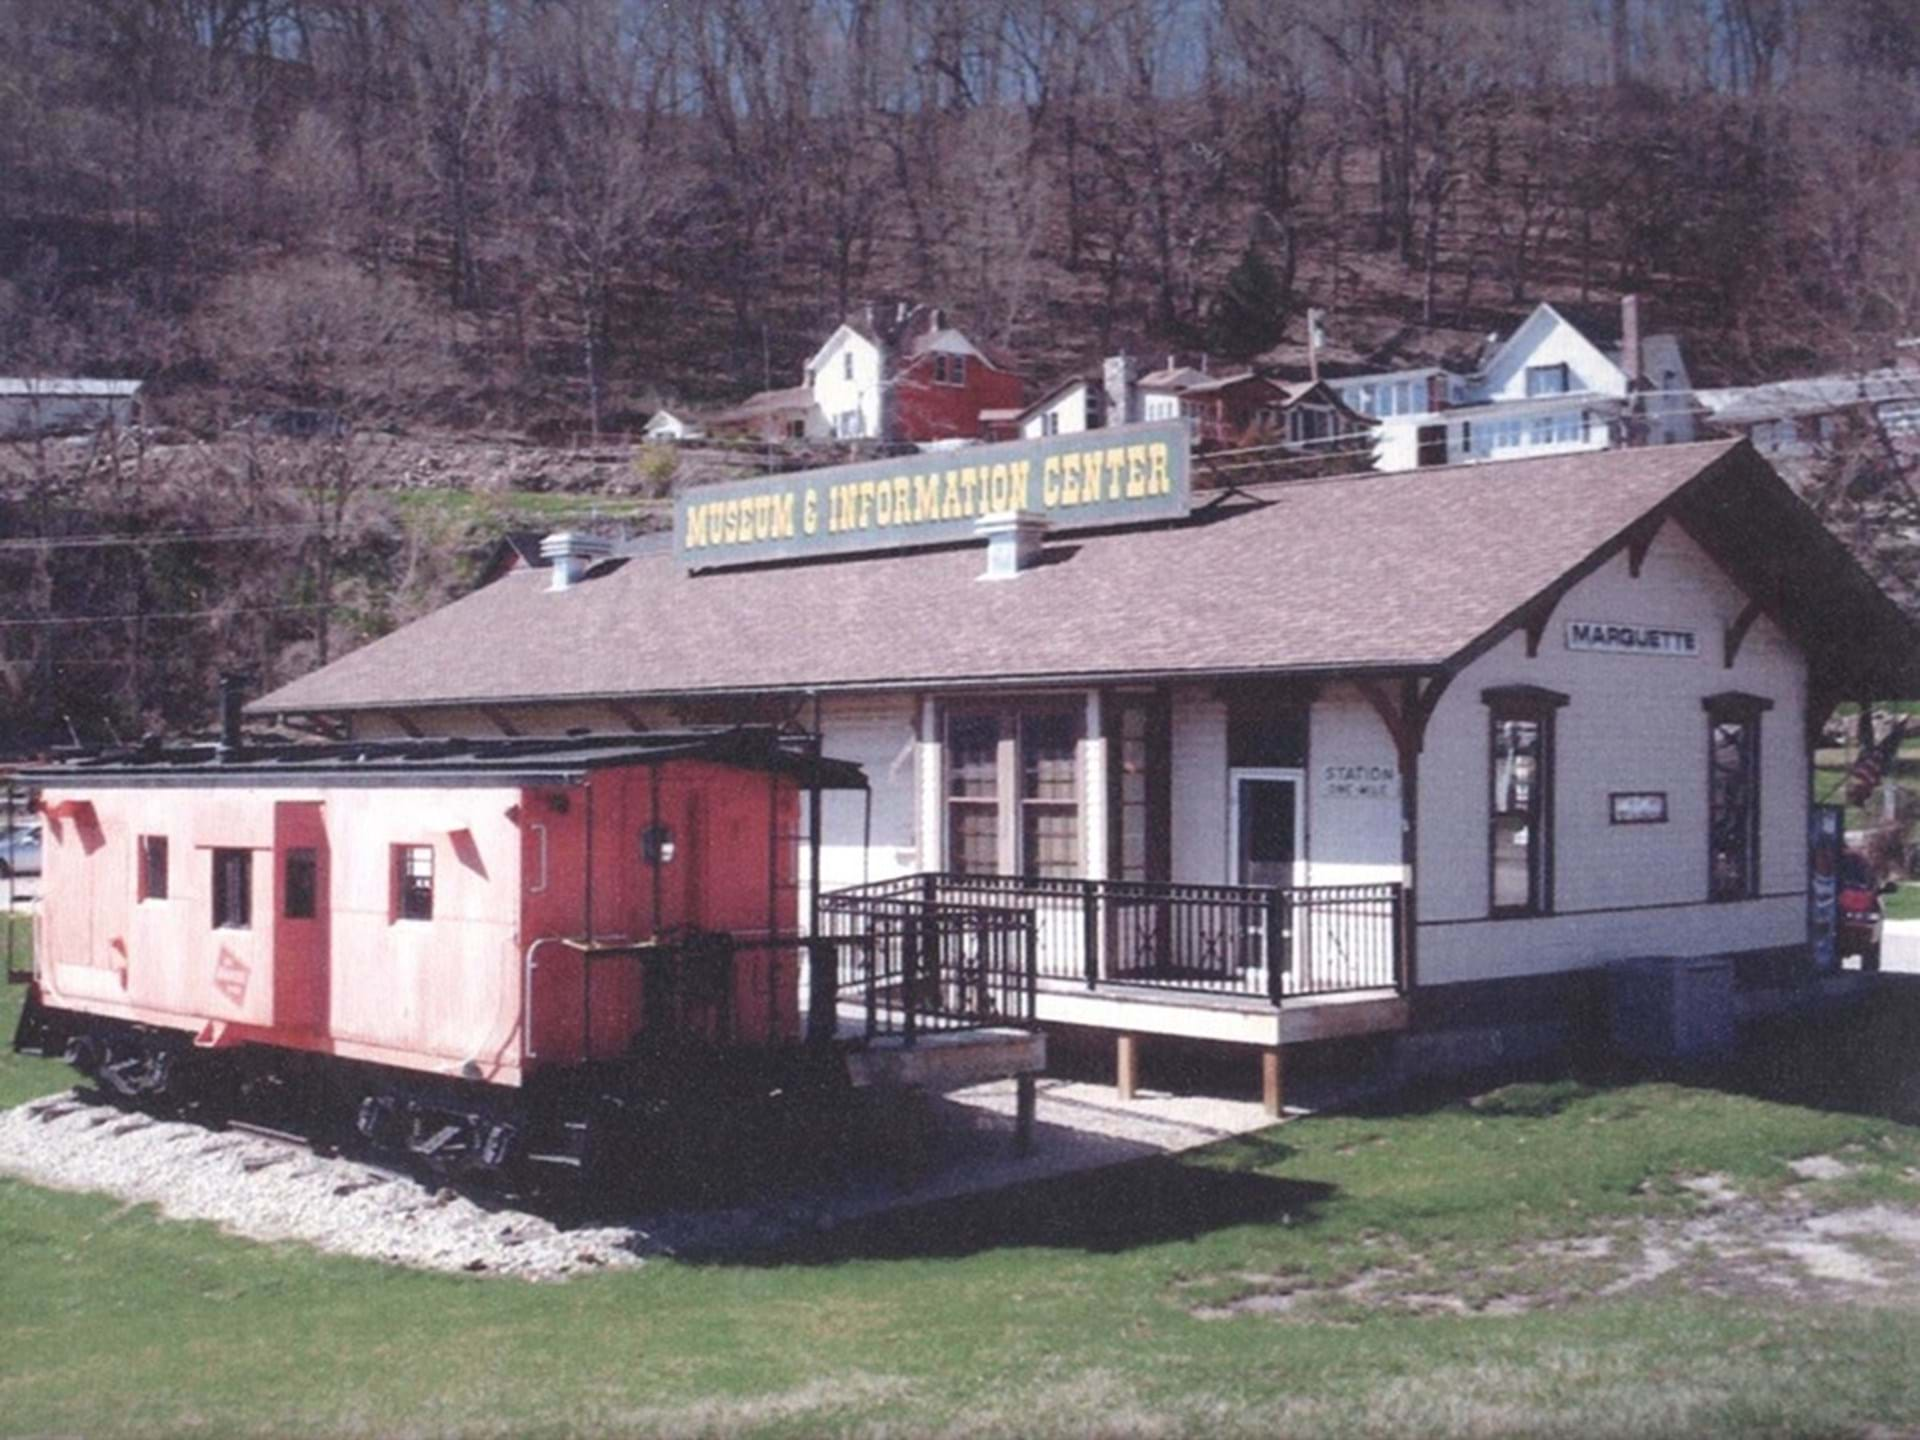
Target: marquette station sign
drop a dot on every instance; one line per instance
(1615, 639)
(1099, 477)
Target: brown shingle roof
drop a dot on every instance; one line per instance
(1376, 570)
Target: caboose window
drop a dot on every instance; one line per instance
(413, 882)
(300, 897)
(153, 867)
(232, 889)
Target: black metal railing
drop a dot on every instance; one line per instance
(1235, 940)
(909, 967)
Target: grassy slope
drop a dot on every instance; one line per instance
(1030, 1314)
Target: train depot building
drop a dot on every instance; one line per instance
(1413, 755)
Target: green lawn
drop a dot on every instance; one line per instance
(1064, 1309)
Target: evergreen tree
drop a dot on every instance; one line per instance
(1252, 307)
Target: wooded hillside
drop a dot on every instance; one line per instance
(547, 216)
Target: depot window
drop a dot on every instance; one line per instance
(413, 882)
(232, 889)
(1733, 795)
(949, 369)
(1520, 804)
(1013, 792)
(153, 867)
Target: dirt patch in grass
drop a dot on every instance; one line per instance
(1779, 1248)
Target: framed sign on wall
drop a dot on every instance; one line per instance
(1638, 807)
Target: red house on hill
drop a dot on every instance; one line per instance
(901, 372)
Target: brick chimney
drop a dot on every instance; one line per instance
(1632, 353)
(1121, 383)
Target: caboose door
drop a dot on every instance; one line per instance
(302, 910)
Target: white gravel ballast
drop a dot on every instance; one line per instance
(265, 1189)
(268, 1190)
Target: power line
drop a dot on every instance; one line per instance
(165, 615)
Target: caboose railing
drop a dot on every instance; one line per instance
(907, 968)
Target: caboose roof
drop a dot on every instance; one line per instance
(503, 763)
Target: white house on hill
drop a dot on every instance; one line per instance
(1551, 386)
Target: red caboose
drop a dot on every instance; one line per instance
(468, 942)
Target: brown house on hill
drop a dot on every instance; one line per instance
(1246, 407)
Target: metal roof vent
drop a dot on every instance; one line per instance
(572, 554)
(1014, 539)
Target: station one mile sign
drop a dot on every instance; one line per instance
(1100, 477)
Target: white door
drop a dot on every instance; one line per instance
(1268, 845)
(1268, 823)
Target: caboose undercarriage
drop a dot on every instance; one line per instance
(660, 1119)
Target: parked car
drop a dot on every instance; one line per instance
(20, 851)
(1861, 915)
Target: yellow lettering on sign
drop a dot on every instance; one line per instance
(1136, 471)
(1020, 487)
(950, 498)
(810, 513)
(1116, 469)
(970, 490)
(696, 526)
(1089, 488)
(866, 505)
(1161, 483)
(1050, 482)
(903, 501)
(926, 497)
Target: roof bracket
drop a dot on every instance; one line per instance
(1406, 719)
(1640, 540)
(1735, 634)
(1538, 614)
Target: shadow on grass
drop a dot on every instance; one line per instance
(1863, 1060)
(1861, 1057)
(1101, 1212)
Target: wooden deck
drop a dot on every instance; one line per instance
(1233, 1019)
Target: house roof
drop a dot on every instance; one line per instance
(1064, 388)
(1397, 572)
(767, 402)
(1173, 377)
(19, 387)
(908, 330)
(1810, 395)
(516, 547)
(1599, 325)
(1300, 391)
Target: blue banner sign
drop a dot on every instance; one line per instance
(1825, 841)
(1098, 477)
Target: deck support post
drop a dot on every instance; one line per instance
(1270, 1087)
(1025, 1099)
(1126, 1065)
